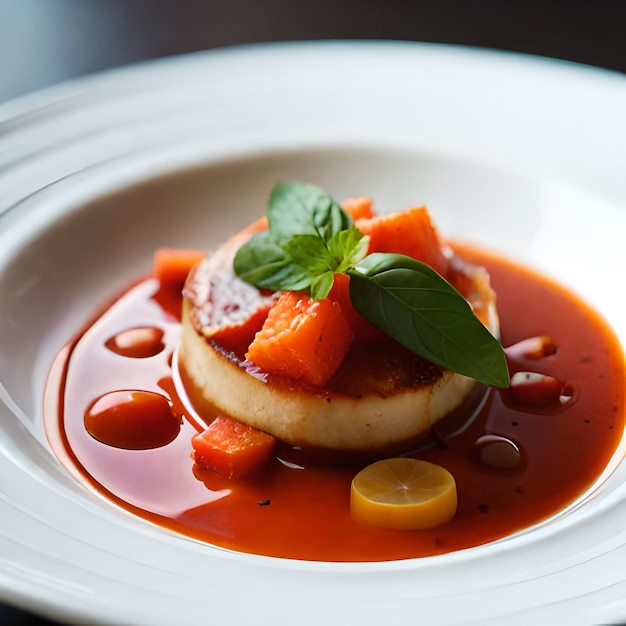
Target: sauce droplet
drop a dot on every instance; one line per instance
(532, 348)
(137, 343)
(497, 451)
(535, 389)
(132, 420)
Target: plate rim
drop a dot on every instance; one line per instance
(64, 93)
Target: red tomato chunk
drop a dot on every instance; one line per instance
(231, 448)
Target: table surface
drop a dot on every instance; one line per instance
(44, 42)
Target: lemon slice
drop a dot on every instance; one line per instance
(403, 493)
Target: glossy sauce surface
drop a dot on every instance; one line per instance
(524, 455)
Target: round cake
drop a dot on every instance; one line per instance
(381, 398)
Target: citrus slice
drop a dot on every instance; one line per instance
(403, 493)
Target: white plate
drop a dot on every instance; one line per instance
(522, 155)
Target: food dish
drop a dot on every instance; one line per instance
(341, 406)
(91, 172)
(127, 415)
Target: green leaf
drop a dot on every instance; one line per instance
(263, 263)
(414, 305)
(310, 238)
(341, 252)
(346, 248)
(300, 209)
(310, 252)
(321, 285)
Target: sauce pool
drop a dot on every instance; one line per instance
(522, 456)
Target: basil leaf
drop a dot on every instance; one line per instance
(341, 252)
(321, 285)
(300, 209)
(310, 238)
(346, 248)
(414, 305)
(309, 251)
(263, 263)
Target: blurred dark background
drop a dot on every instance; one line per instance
(43, 42)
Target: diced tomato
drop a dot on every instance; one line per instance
(359, 208)
(232, 448)
(302, 338)
(408, 232)
(171, 266)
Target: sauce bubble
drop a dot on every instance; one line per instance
(138, 343)
(132, 420)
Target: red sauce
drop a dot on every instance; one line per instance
(137, 343)
(524, 455)
(132, 420)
